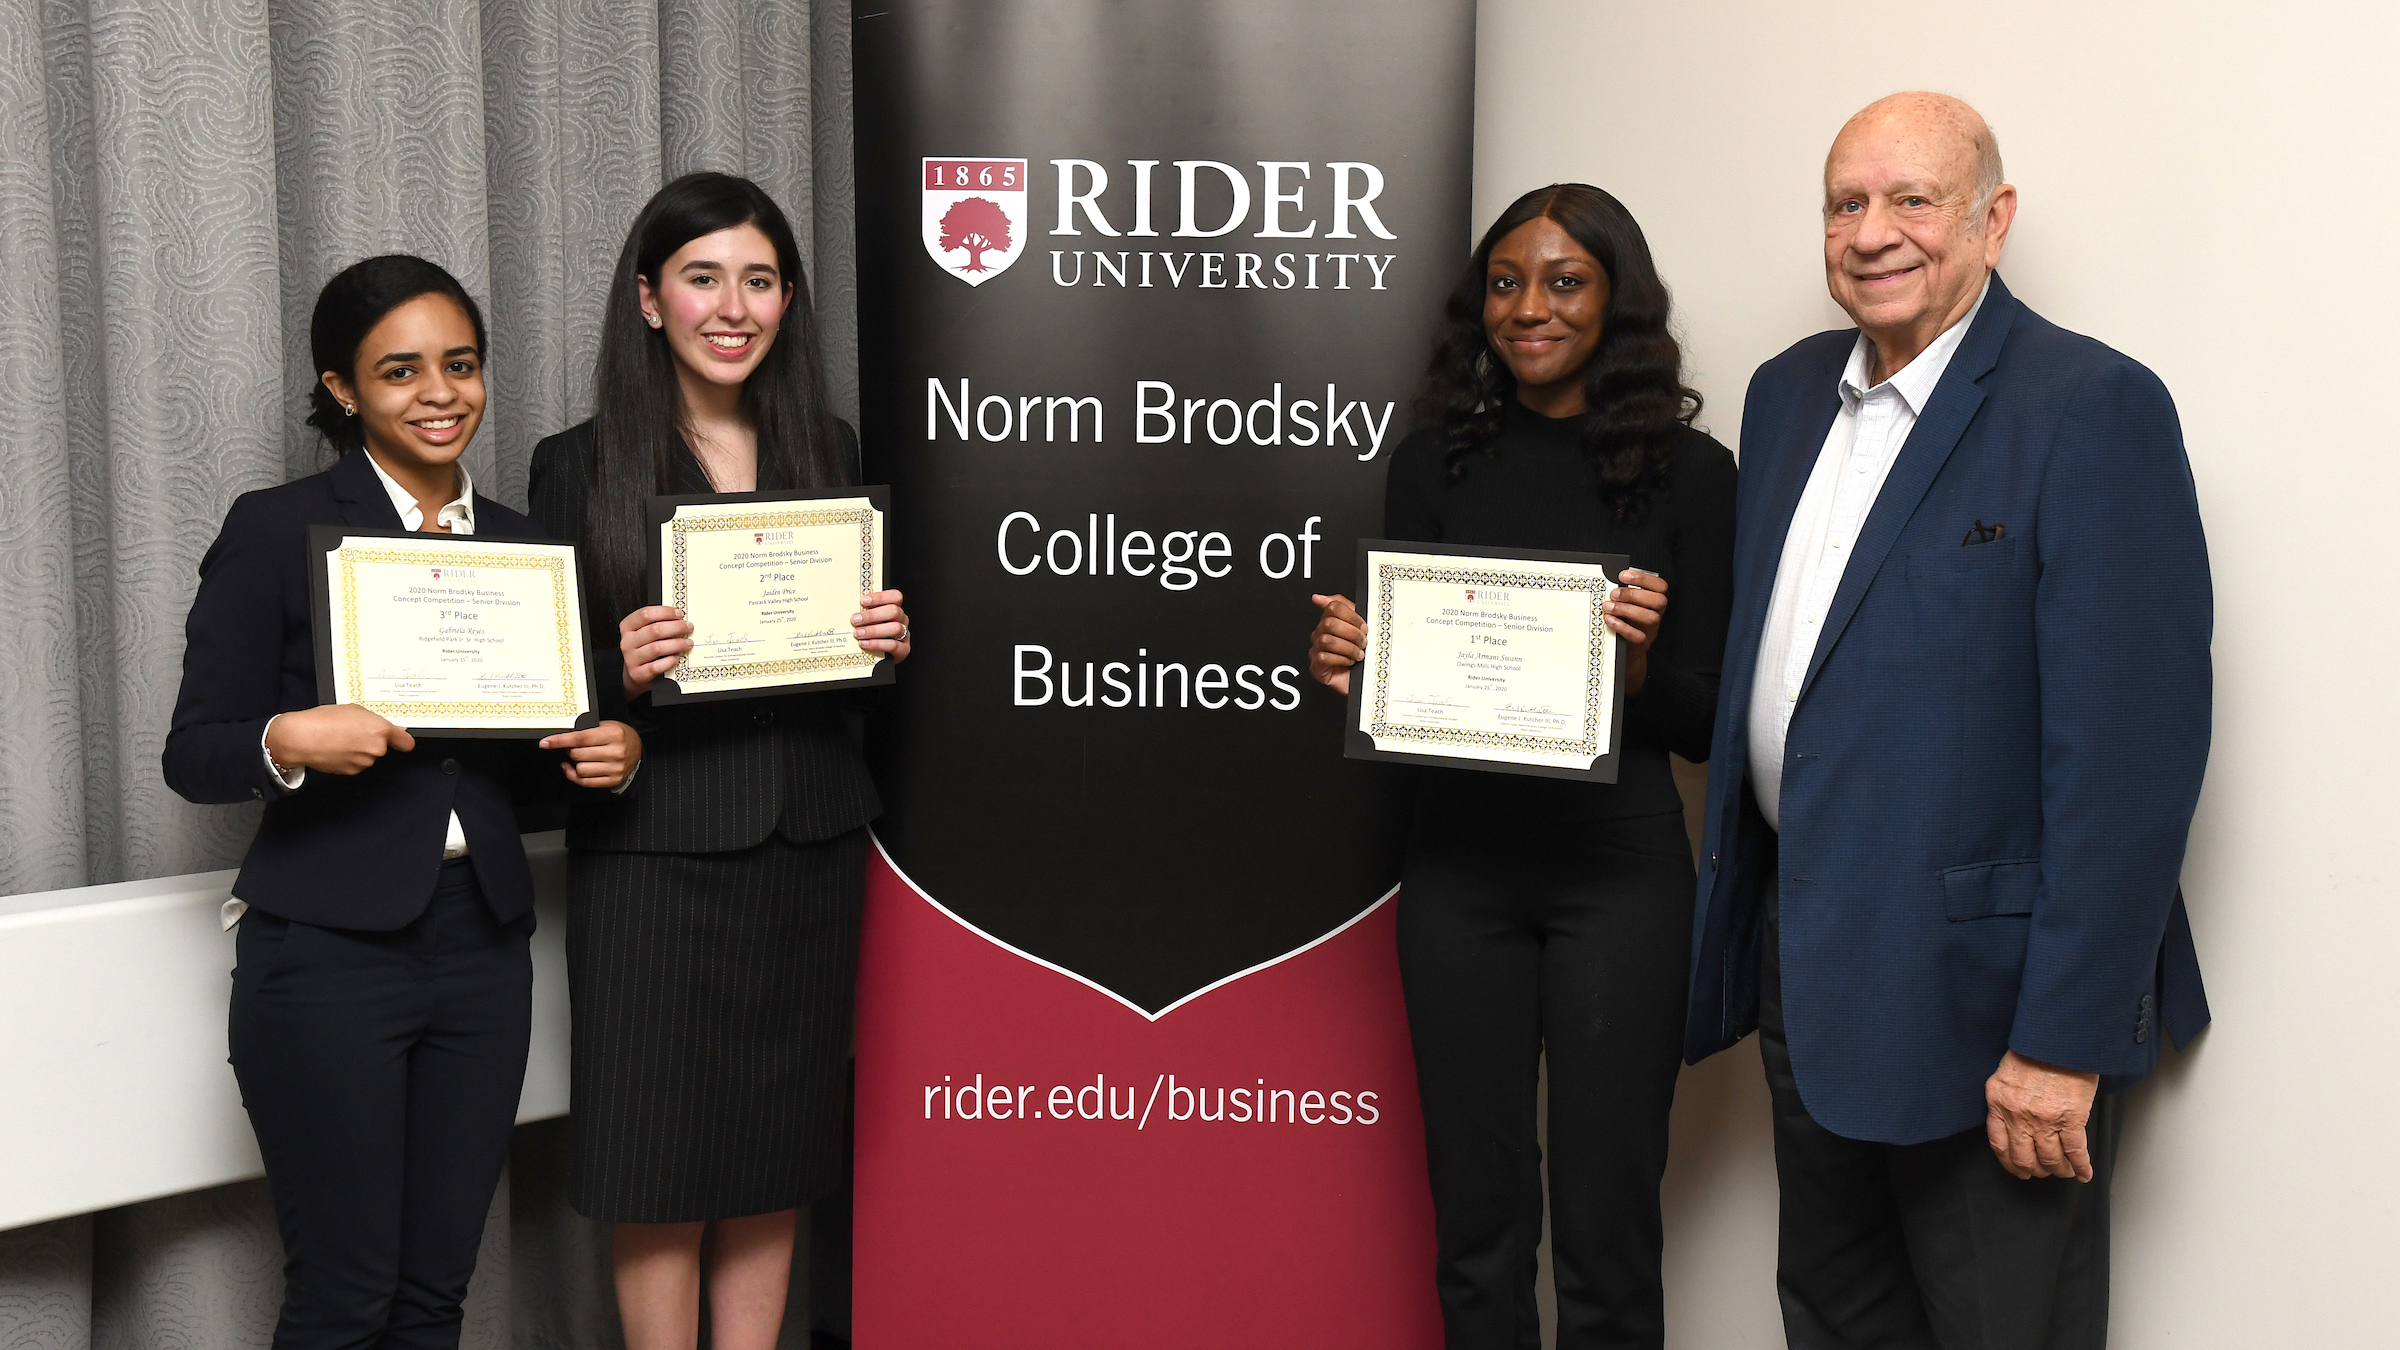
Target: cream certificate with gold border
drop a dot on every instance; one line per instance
(769, 582)
(461, 635)
(1487, 660)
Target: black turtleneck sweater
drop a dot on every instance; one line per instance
(1532, 488)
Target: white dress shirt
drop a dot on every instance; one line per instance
(459, 516)
(1857, 456)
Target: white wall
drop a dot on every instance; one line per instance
(114, 1003)
(2210, 188)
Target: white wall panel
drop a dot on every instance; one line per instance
(113, 998)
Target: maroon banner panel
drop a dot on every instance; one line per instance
(1041, 1164)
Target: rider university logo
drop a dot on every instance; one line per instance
(974, 215)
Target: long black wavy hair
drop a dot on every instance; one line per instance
(1634, 395)
(637, 424)
(352, 303)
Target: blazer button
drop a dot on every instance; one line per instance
(764, 719)
(449, 766)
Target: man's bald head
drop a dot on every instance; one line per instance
(1934, 119)
(1916, 213)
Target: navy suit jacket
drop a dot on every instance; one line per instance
(1997, 747)
(356, 851)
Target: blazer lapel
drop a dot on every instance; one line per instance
(360, 493)
(1795, 456)
(770, 475)
(1921, 458)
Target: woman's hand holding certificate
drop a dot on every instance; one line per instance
(654, 638)
(762, 593)
(461, 635)
(1633, 609)
(1511, 661)
(340, 738)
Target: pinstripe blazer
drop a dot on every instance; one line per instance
(715, 776)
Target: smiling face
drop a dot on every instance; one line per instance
(417, 385)
(1907, 245)
(1544, 297)
(719, 300)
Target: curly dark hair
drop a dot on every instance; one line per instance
(1633, 388)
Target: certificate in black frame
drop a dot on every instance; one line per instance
(324, 539)
(1358, 744)
(657, 511)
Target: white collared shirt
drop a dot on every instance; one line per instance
(1858, 454)
(459, 516)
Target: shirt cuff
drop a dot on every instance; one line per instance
(291, 781)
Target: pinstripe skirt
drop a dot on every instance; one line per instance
(714, 997)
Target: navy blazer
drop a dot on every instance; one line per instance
(356, 851)
(1997, 747)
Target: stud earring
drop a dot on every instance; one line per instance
(654, 320)
(348, 411)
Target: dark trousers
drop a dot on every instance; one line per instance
(1575, 943)
(381, 1072)
(1933, 1244)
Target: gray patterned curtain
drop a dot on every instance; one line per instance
(177, 178)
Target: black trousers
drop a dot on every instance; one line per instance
(381, 1072)
(1934, 1244)
(1575, 943)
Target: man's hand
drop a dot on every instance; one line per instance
(2037, 1118)
(652, 640)
(602, 756)
(1337, 644)
(341, 738)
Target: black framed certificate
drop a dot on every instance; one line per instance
(769, 581)
(1482, 658)
(452, 635)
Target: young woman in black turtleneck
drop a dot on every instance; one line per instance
(1539, 915)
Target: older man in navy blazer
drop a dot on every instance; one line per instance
(1965, 716)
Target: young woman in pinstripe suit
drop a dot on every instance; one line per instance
(713, 935)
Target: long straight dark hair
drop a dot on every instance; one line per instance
(1634, 395)
(637, 422)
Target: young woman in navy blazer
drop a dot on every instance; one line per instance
(382, 987)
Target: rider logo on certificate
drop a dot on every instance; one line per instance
(769, 581)
(461, 635)
(1488, 659)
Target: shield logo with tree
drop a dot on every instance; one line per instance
(974, 215)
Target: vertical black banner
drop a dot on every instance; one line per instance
(1145, 290)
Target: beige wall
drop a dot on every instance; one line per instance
(2211, 189)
